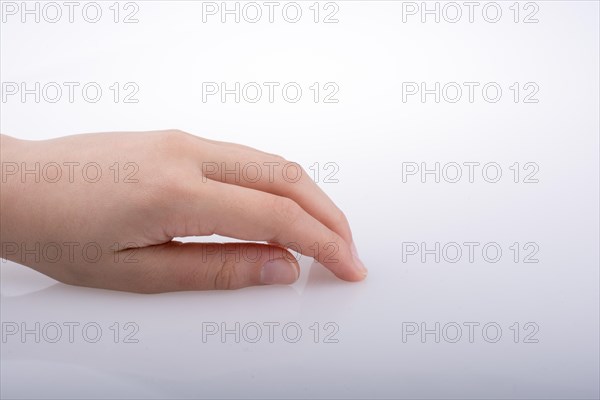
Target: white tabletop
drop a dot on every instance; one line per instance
(520, 324)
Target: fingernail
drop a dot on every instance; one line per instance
(359, 264)
(278, 271)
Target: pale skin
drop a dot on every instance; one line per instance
(115, 230)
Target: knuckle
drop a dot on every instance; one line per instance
(173, 134)
(295, 176)
(173, 181)
(293, 172)
(340, 219)
(227, 276)
(173, 140)
(279, 163)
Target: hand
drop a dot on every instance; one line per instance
(101, 210)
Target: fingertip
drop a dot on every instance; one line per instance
(360, 268)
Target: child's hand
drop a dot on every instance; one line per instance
(101, 210)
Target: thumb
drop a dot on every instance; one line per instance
(176, 266)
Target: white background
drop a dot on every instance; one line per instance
(369, 134)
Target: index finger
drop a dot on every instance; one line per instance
(244, 166)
